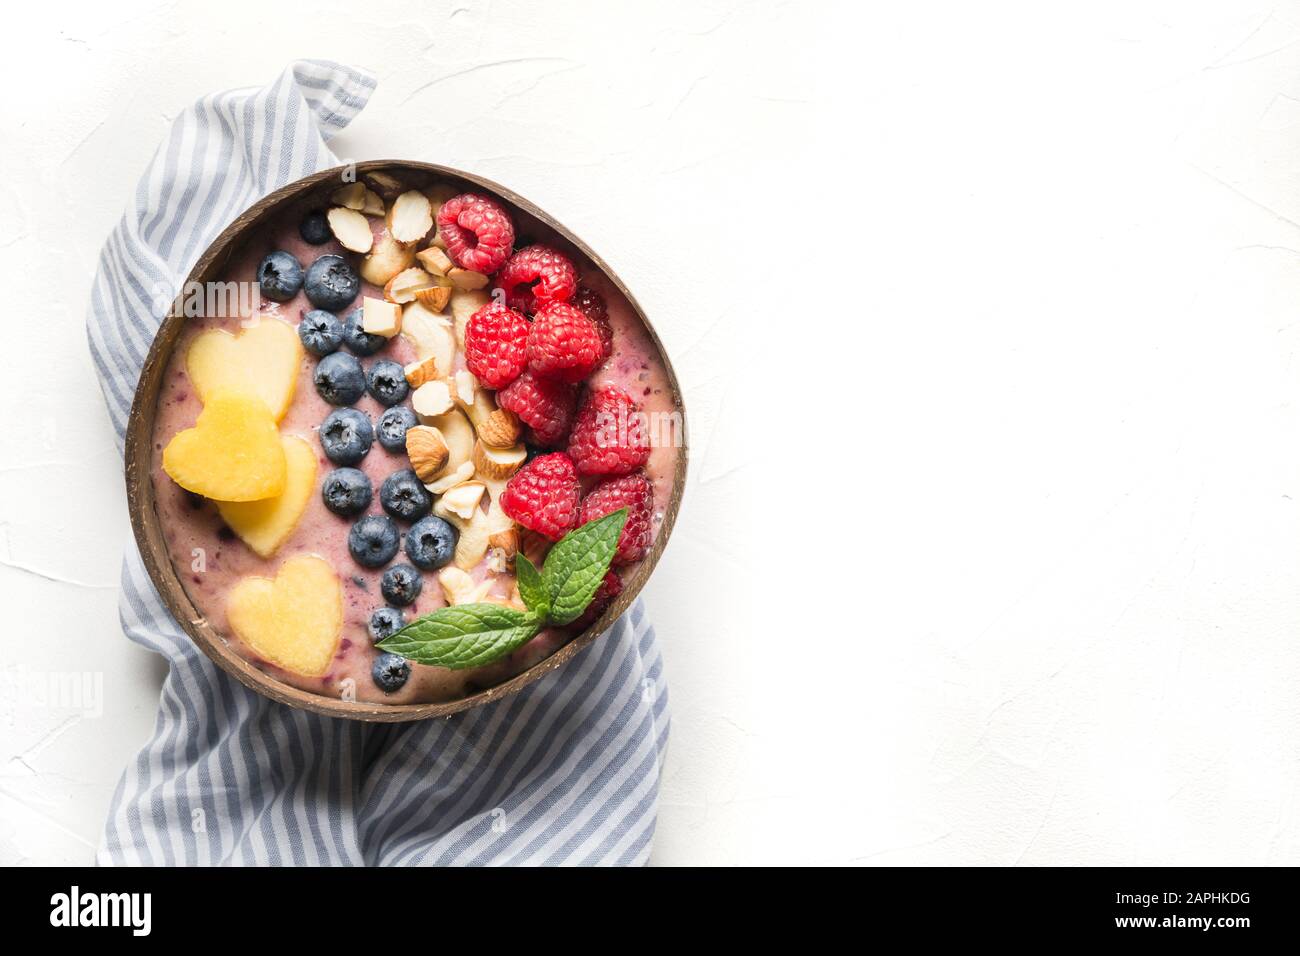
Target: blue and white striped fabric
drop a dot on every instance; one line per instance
(566, 772)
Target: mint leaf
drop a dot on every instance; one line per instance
(576, 565)
(467, 635)
(531, 588)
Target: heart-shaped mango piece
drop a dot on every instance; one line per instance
(264, 525)
(294, 620)
(262, 361)
(233, 452)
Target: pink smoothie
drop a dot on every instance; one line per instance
(193, 526)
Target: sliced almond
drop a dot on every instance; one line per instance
(427, 450)
(459, 433)
(439, 193)
(379, 317)
(435, 297)
(463, 305)
(350, 228)
(435, 260)
(387, 259)
(407, 284)
(429, 334)
(459, 588)
(498, 463)
(372, 204)
(411, 217)
(466, 386)
(462, 500)
(417, 373)
(472, 541)
(353, 196)
(432, 399)
(467, 281)
(454, 477)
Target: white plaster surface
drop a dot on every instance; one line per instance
(986, 318)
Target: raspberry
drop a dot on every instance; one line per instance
(563, 344)
(634, 493)
(609, 436)
(543, 496)
(590, 303)
(610, 588)
(477, 232)
(536, 275)
(543, 405)
(496, 339)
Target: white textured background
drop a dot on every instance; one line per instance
(987, 321)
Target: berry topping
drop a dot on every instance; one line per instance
(357, 339)
(393, 425)
(332, 283)
(387, 382)
(315, 228)
(543, 405)
(401, 585)
(563, 344)
(591, 304)
(385, 622)
(430, 543)
(403, 496)
(496, 339)
(279, 276)
(373, 541)
(346, 436)
(543, 496)
(339, 379)
(346, 491)
(609, 434)
(633, 492)
(535, 276)
(477, 232)
(390, 672)
(321, 332)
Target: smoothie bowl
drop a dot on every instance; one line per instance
(402, 445)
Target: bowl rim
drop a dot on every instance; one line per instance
(138, 455)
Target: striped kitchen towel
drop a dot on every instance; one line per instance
(565, 772)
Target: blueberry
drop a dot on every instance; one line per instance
(346, 435)
(315, 228)
(401, 585)
(357, 339)
(404, 496)
(373, 540)
(393, 423)
(385, 622)
(321, 332)
(331, 283)
(430, 543)
(387, 382)
(390, 672)
(346, 491)
(280, 276)
(340, 379)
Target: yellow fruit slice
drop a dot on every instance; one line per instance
(262, 361)
(233, 452)
(264, 525)
(293, 620)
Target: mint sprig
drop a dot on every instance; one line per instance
(471, 635)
